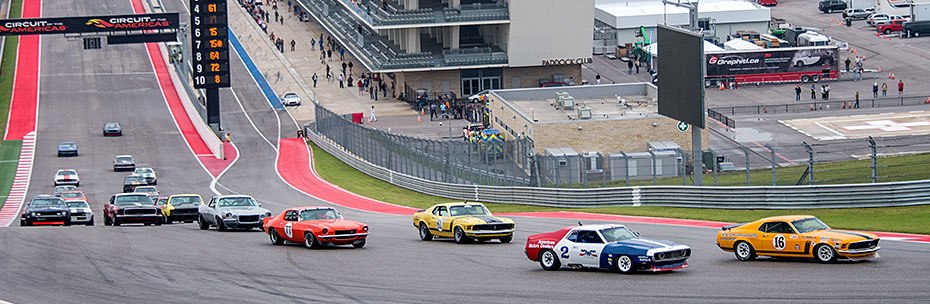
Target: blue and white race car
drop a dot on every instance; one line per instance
(611, 247)
(67, 148)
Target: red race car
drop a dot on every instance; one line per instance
(315, 227)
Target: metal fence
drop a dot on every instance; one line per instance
(783, 197)
(806, 105)
(451, 161)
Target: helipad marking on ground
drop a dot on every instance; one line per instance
(886, 125)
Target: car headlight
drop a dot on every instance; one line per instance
(325, 231)
(61, 213)
(228, 215)
(660, 255)
(365, 229)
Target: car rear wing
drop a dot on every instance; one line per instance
(728, 227)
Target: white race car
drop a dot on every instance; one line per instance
(67, 177)
(80, 212)
(148, 174)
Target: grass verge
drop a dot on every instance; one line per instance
(9, 158)
(912, 219)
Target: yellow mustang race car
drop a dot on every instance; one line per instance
(462, 221)
(800, 236)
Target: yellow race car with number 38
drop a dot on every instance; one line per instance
(463, 222)
(798, 236)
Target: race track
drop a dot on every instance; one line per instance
(81, 90)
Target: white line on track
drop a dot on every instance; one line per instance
(217, 178)
(236, 96)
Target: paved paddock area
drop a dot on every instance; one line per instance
(863, 126)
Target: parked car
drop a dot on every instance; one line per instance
(67, 148)
(608, 246)
(67, 177)
(112, 129)
(916, 28)
(124, 162)
(877, 19)
(80, 212)
(130, 208)
(61, 189)
(290, 99)
(148, 174)
(45, 210)
(232, 212)
(893, 26)
(315, 227)
(830, 6)
(857, 13)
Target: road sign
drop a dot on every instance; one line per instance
(209, 43)
(683, 127)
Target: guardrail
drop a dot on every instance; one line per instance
(773, 197)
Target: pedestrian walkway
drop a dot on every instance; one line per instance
(293, 71)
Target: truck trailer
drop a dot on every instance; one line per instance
(774, 65)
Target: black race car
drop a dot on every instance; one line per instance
(112, 129)
(45, 210)
(132, 181)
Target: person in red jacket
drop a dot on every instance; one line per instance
(900, 87)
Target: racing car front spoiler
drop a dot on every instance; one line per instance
(490, 232)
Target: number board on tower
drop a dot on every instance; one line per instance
(209, 43)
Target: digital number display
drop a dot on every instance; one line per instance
(209, 43)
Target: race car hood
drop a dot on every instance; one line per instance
(242, 210)
(339, 224)
(45, 209)
(65, 148)
(643, 245)
(123, 162)
(65, 176)
(482, 219)
(843, 235)
(84, 210)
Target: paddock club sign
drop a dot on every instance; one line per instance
(89, 24)
(568, 61)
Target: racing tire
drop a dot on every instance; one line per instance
(22, 223)
(815, 78)
(829, 11)
(78, 184)
(275, 237)
(459, 235)
(158, 222)
(507, 239)
(310, 241)
(359, 244)
(90, 222)
(744, 251)
(886, 31)
(624, 264)
(798, 64)
(116, 221)
(916, 34)
(147, 224)
(220, 226)
(202, 223)
(824, 253)
(424, 233)
(548, 260)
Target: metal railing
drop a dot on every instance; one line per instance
(770, 197)
(808, 105)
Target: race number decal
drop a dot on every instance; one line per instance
(779, 242)
(439, 224)
(564, 251)
(288, 230)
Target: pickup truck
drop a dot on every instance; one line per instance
(893, 26)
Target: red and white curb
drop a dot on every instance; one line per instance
(14, 200)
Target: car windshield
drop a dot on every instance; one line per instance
(129, 200)
(61, 189)
(47, 202)
(77, 204)
(143, 170)
(124, 159)
(237, 202)
(809, 224)
(72, 194)
(290, 95)
(111, 126)
(133, 178)
(319, 214)
(66, 172)
(146, 189)
(183, 200)
(66, 145)
(467, 210)
(616, 234)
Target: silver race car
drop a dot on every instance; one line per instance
(232, 212)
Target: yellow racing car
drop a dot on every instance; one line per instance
(463, 222)
(798, 236)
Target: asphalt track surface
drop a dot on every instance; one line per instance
(80, 90)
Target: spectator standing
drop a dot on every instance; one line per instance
(847, 64)
(342, 54)
(637, 64)
(823, 91)
(827, 90)
(597, 79)
(900, 87)
(312, 44)
(884, 89)
(329, 54)
(315, 78)
(293, 45)
(875, 90)
(350, 67)
(629, 65)
(432, 111)
(341, 81)
(813, 92)
(372, 118)
(344, 66)
(856, 106)
(361, 88)
(797, 92)
(349, 81)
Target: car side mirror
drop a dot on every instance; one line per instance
(259, 204)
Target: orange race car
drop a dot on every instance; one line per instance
(315, 227)
(800, 236)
